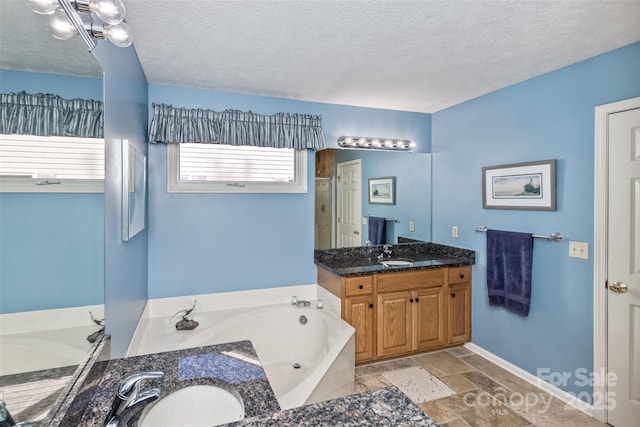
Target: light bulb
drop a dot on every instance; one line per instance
(110, 11)
(60, 26)
(43, 7)
(120, 34)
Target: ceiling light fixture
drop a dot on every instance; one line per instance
(375, 143)
(71, 17)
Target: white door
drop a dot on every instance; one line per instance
(349, 203)
(324, 212)
(623, 266)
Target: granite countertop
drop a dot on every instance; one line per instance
(383, 407)
(363, 260)
(231, 365)
(236, 365)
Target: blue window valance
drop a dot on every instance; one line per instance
(45, 114)
(233, 127)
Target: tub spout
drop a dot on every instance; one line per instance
(300, 303)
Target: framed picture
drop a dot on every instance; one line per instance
(527, 186)
(382, 191)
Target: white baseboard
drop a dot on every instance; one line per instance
(532, 379)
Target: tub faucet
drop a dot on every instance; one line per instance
(129, 394)
(300, 303)
(386, 252)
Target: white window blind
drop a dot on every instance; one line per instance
(57, 164)
(225, 168)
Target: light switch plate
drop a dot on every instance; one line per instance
(412, 226)
(454, 231)
(579, 250)
(364, 220)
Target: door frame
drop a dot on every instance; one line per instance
(601, 172)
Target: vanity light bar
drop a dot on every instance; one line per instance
(375, 143)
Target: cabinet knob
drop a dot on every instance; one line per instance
(462, 276)
(411, 300)
(361, 287)
(370, 305)
(453, 295)
(417, 299)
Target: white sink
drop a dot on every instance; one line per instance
(396, 263)
(194, 406)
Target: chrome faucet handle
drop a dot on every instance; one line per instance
(132, 383)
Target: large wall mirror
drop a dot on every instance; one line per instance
(51, 243)
(342, 206)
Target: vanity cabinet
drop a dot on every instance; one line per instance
(459, 305)
(411, 312)
(399, 313)
(357, 310)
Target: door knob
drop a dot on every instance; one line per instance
(618, 287)
(356, 232)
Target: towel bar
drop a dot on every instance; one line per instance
(394, 219)
(556, 237)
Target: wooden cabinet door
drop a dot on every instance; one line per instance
(459, 313)
(429, 318)
(359, 314)
(394, 323)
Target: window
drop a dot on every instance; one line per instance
(217, 168)
(31, 163)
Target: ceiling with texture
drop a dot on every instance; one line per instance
(420, 56)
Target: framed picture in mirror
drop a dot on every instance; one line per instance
(134, 185)
(382, 191)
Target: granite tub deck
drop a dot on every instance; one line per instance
(237, 365)
(363, 260)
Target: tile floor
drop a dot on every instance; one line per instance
(457, 387)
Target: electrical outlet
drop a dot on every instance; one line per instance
(364, 220)
(454, 231)
(412, 226)
(579, 250)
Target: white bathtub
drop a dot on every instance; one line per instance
(305, 363)
(38, 350)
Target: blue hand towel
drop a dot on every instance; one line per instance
(509, 259)
(377, 230)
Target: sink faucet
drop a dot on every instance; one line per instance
(386, 252)
(129, 394)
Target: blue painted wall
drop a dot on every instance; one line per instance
(51, 250)
(200, 243)
(51, 244)
(549, 117)
(413, 190)
(125, 98)
(67, 87)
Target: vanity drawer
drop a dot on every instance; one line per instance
(459, 274)
(359, 285)
(402, 281)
